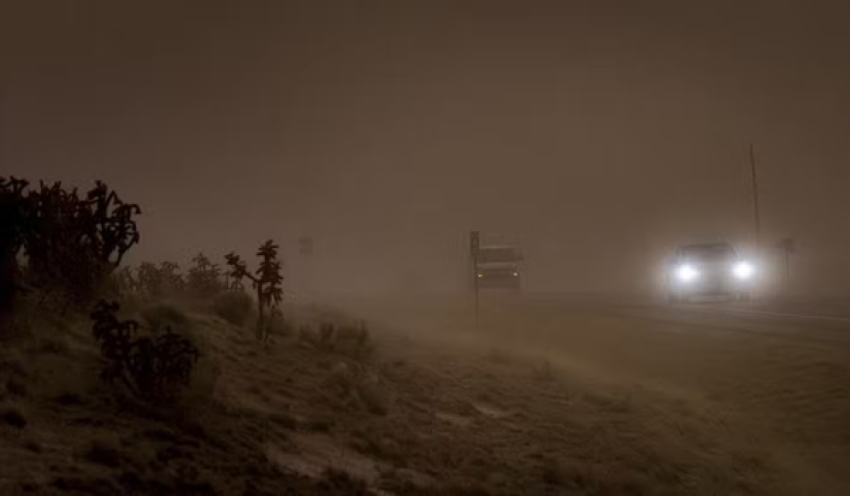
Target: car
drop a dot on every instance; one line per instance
(498, 267)
(709, 269)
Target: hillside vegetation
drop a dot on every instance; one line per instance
(155, 380)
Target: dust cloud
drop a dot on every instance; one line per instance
(592, 136)
(597, 134)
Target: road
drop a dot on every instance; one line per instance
(801, 321)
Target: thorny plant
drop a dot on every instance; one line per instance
(71, 243)
(352, 340)
(154, 281)
(152, 367)
(204, 277)
(266, 280)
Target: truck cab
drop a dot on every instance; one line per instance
(498, 267)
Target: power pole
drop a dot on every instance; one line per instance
(474, 246)
(305, 249)
(788, 247)
(757, 217)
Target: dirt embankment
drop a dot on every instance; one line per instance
(515, 411)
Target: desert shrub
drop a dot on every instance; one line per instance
(350, 340)
(372, 398)
(149, 279)
(277, 325)
(352, 386)
(552, 472)
(267, 281)
(151, 367)
(70, 243)
(335, 481)
(57, 345)
(170, 277)
(125, 281)
(104, 449)
(163, 316)
(500, 356)
(204, 278)
(355, 340)
(234, 307)
(153, 281)
(543, 371)
(14, 417)
(13, 224)
(16, 388)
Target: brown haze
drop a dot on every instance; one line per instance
(599, 134)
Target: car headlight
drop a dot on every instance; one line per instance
(687, 273)
(743, 270)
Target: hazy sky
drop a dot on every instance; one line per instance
(599, 134)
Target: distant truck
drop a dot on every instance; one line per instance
(498, 267)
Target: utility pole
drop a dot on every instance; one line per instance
(305, 249)
(757, 217)
(474, 248)
(788, 247)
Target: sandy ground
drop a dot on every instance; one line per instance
(773, 388)
(540, 398)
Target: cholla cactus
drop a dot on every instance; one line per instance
(71, 243)
(127, 283)
(266, 281)
(150, 279)
(204, 276)
(172, 280)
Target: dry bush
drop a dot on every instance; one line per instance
(13, 416)
(543, 371)
(152, 281)
(500, 356)
(152, 368)
(55, 345)
(70, 242)
(277, 325)
(266, 281)
(234, 307)
(353, 387)
(349, 340)
(164, 316)
(204, 277)
(336, 481)
(105, 449)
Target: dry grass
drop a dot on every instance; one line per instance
(236, 307)
(540, 403)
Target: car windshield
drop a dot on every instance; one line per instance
(708, 253)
